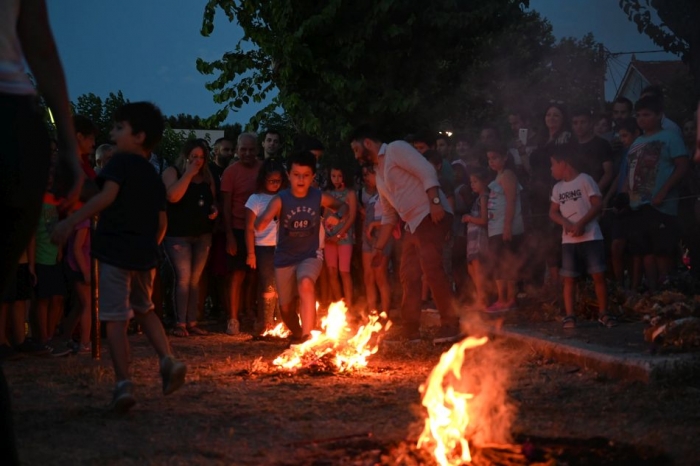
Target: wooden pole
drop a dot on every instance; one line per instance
(95, 294)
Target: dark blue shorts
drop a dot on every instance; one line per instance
(50, 281)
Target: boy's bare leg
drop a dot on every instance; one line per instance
(601, 292)
(569, 295)
(235, 291)
(18, 314)
(502, 287)
(153, 328)
(346, 280)
(307, 305)
(336, 293)
(40, 309)
(54, 314)
(119, 348)
(370, 279)
(382, 277)
(291, 319)
(651, 272)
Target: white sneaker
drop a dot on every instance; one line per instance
(233, 327)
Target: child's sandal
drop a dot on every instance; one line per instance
(608, 320)
(569, 322)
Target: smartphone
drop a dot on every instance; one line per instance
(522, 135)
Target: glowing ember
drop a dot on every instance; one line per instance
(445, 427)
(335, 346)
(280, 331)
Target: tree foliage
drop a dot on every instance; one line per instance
(101, 112)
(404, 65)
(677, 32)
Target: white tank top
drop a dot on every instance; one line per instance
(13, 74)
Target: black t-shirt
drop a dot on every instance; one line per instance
(592, 155)
(216, 172)
(127, 229)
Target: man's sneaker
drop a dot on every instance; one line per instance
(233, 327)
(84, 349)
(59, 350)
(448, 334)
(123, 398)
(173, 373)
(402, 335)
(32, 347)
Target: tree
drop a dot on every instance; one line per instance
(402, 64)
(100, 112)
(677, 32)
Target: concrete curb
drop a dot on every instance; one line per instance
(613, 362)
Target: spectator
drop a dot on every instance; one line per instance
(103, 154)
(477, 249)
(376, 278)
(505, 228)
(657, 161)
(595, 153)
(190, 192)
(666, 123)
(409, 190)
(261, 244)
(85, 133)
(272, 144)
(339, 239)
(237, 184)
(576, 202)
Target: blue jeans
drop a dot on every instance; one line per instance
(188, 256)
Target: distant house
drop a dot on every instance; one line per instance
(641, 74)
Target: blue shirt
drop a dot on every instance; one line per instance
(650, 163)
(299, 227)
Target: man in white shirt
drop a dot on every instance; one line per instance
(409, 190)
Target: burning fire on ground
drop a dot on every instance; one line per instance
(444, 434)
(279, 331)
(336, 347)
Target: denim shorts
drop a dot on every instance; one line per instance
(580, 258)
(124, 291)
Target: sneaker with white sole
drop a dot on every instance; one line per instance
(123, 399)
(173, 373)
(448, 334)
(233, 327)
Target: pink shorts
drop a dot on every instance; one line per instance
(338, 256)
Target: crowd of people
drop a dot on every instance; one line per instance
(461, 223)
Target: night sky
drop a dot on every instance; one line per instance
(147, 49)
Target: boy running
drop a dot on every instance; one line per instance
(298, 256)
(132, 224)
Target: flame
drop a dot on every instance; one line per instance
(445, 427)
(335, 344)
(280, 331)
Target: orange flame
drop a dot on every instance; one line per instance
(280, 331)
(335, 344)
(445, 427)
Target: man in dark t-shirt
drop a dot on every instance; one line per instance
(594, 153)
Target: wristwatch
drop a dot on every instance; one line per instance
(436, 200)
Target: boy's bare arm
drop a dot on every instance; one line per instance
(596, 207)
(681, 167)
(273, 210)
(81, 258)
(94, 206)
(339, 208)
(557, 217)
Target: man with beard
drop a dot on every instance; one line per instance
(237, 184)
(408, 189)
(221, 157)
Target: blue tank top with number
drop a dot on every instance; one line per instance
(299, 223)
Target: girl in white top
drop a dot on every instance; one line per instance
(261, 244)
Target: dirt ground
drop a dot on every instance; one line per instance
(233, 411)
